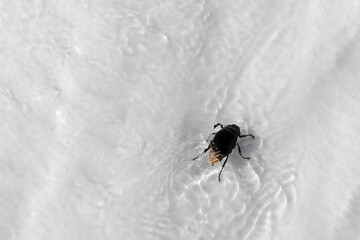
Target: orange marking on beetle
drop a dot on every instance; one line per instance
(215, 157)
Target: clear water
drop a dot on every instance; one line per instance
(103, 105)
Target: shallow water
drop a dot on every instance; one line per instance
(104, 104)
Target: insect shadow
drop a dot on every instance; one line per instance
(223, 143)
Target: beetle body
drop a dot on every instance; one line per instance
(223, 143)
(225, 139)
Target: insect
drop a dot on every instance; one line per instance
(223, 143)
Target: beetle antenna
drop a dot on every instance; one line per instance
(202, 152)
(223, 166)
(218, 124)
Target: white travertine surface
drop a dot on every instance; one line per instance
(103, 105)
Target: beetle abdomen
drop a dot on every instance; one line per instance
(234, 128)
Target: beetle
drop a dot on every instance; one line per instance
(223, 143)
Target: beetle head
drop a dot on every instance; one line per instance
(213, 146)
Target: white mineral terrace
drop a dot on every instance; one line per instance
(104, 104)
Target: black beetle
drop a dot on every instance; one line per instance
(225, 140)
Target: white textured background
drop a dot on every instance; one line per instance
(103, 104)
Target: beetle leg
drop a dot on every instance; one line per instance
(240, 152)
(223, 166)
(247, 135)
(218, 125)
(202, 152)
